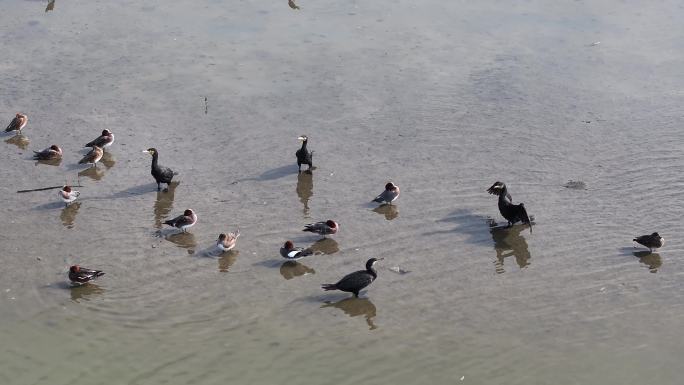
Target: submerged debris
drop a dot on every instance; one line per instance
(576, 185)
(399, 270)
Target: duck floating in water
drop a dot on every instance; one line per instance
(103, 141)
(17, 123)
(92, 157)
(160, 173)
(51, 153)
(388, 196)
(183, 222)
(512, 213)
(289, 251)
(228, 241)
(81, 275)
(67, 195)
(322, 228)
(354, 282)
(304, 156)
(653, 241)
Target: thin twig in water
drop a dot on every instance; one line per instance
(44, 188)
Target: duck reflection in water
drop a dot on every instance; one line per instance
(164, 204)
(292, 269)
(108, 160)
(82, 292)
(305, 189)
(226, 260)
(19, 140)
(325, 246)
(652, 260)
(389, 211)
(93, 173)
(354, 307)
(508, 242)
(68, 215)
(185, 240)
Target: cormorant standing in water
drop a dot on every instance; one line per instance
(354, 282)
(161, 174)
(653, 241)
(81, 275)
(304, 156)
(512, 213)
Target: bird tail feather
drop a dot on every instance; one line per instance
(328, 286)
(525, 217)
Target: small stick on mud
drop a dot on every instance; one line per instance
(206, 106)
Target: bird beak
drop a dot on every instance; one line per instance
(301, 138)
(145, 151)
(381, 259)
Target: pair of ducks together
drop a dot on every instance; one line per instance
(517, 213)
(98, 145)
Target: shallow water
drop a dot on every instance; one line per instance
(442, 98)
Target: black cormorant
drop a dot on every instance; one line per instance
(512, 213)
(81, 275)
(653, 241)
(160, 173)
(354, 282)
(304, 156)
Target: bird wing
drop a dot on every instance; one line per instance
(354, 281)
(99, 141)
(524, 217)
(14, 125)
(89, 157)
(383, 197)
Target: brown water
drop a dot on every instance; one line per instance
(443, 98)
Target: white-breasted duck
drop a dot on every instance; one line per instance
(228, 241)
(354, 282)
(92, 157)
(68, 195)
(513, 213)
(17, 123)
(289, 251)
(160, 173)
(388, 196)
(323, 228)
(183, 222)
(103, 141)
(304, 156)
(652, 241)
(51, 153)
(81, 275)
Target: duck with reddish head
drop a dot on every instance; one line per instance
(289, 251)
(17, 123)
(322, 228)
(103, 141)
(80, 275)
(388, 196)
(51, 153)
(183, 222)
(68, 195)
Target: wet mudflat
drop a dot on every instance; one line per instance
(442, 98)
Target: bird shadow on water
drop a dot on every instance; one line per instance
(354, 307)
(68, 215)
(292, 269)
(164, 203)
(305, 190)
(94, 173)
(79, 292)
(183, 240)
(19, 140)
(325, 246)
(389, 211)
(651, 260)
(507, 241)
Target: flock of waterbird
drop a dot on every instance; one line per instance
(352, 283)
